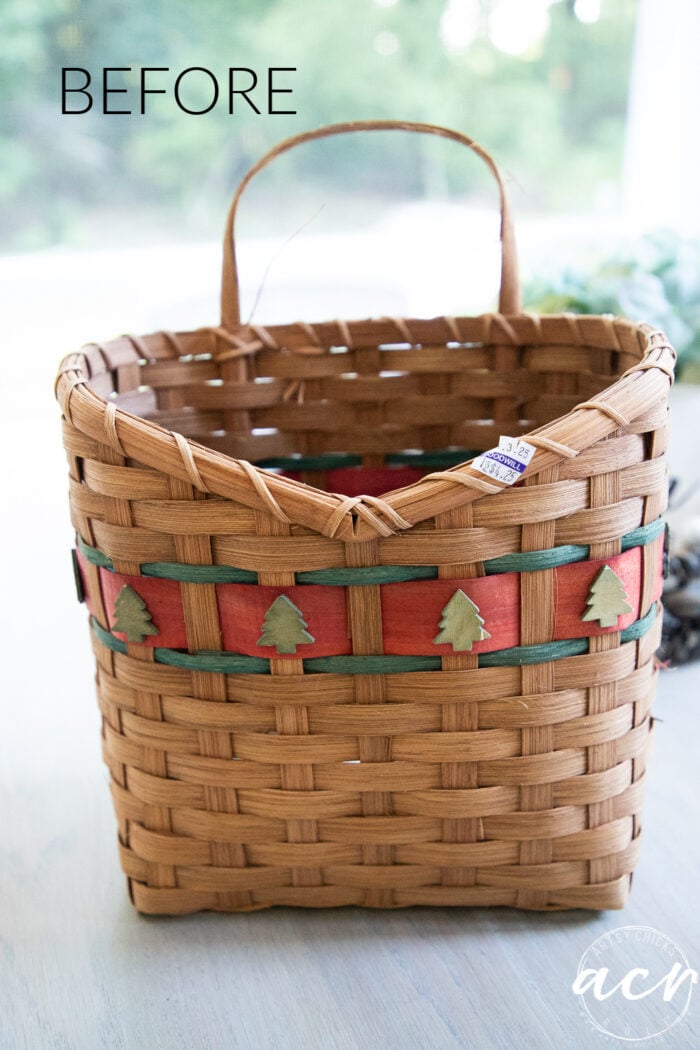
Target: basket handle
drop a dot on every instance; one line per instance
(509, 296)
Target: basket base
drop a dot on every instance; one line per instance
(150, 900)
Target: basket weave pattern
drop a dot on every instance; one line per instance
(372, 774)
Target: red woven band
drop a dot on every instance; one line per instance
(411, 611)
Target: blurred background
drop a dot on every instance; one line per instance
(543, 84)
(588, 106)
(112, 223)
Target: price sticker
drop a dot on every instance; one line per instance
(507, 462)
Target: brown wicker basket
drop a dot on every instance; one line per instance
(354, 646)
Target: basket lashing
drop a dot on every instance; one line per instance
(361, 518)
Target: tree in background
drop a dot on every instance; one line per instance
(551, 107)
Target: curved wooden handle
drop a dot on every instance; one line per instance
(509, 297)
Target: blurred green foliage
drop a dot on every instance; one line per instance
(655, 279)
(554, 116)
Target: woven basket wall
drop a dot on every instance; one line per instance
(290, 509)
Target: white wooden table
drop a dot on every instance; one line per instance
(80, 970)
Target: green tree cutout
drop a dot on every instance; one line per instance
(606, 599)
(284, 627)
(461, 624)
(131, 616)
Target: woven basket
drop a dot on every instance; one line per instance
(343, 658)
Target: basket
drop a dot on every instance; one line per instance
(374, 604)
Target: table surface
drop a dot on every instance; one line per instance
(80, 970)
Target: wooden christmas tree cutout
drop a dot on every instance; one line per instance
(284, 627)
(607, 599)
(461, 624)
(131, 615)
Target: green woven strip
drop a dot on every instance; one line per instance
(367, 575)
(371, 664)
(107, 638)
(222, 663)
(236, 663)
(640, 627)
(529, 561)
(338, 460)
(534, 654)
(441, 458)
(539, 654)
(333, 461)
(644, 534)
(164, 570)
(94, 556)
(185, 573)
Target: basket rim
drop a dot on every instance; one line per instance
(362, 518)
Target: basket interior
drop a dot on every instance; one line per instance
(371, 418)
